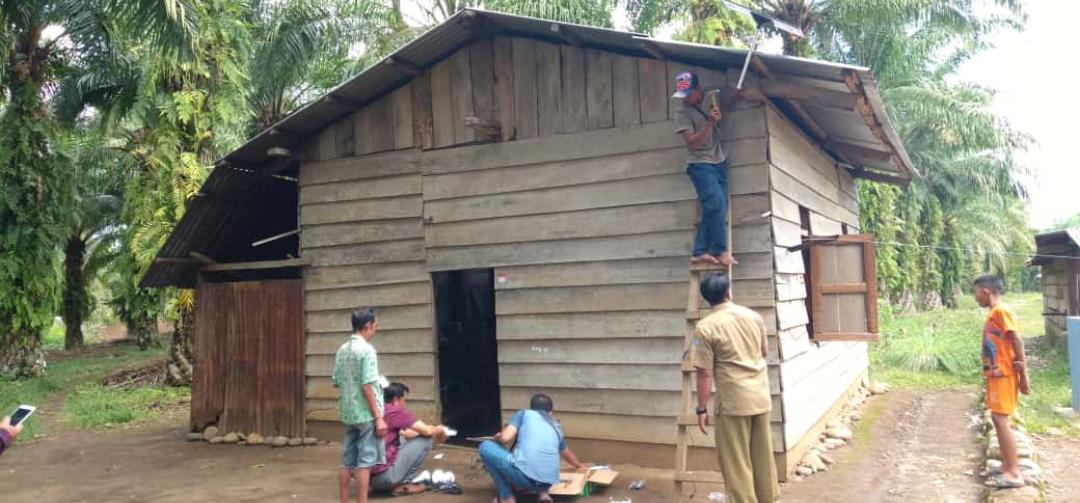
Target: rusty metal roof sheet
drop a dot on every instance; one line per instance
(860, 136)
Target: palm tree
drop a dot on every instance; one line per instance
(588, 12)
(35, 176)
(96, 230)
(302, 48)
(702, 21)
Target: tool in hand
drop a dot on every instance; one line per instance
(761, 20)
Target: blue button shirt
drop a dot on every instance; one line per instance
(540, 440)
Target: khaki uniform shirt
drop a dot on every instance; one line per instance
(729, 341)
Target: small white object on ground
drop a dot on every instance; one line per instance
(717, 496)
(423, 477)
(637, 485)
(439, 456)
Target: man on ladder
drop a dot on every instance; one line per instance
(730, 344)
(707, 168)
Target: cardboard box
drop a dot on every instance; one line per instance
(573, 483)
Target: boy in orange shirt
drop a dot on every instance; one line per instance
(1005, 371)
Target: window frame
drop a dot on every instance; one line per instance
(818, 289)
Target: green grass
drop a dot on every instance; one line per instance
(941, 350)
(89, 404)
(94, 406)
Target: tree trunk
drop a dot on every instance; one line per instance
(143, 332)
(181, 362)
(21, 356)
(76, 303)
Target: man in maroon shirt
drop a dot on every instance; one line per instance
(408, 443)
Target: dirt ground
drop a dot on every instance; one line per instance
(911, 447)
(918, 446)
(156, 464)
(1060, 460)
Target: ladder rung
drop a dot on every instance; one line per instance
(688, 420)
(708, 268)
(700, 476)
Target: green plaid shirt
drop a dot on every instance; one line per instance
(355, 365)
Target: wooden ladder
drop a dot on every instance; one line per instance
(685, 418)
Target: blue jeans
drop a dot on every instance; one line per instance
(711, 183)
(500, 465)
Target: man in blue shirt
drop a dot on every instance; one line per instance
(533, 466)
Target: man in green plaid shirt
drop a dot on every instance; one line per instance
(360, 402)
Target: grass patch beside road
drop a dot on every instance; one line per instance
(89, 403)
(94, 406)
(941, 350)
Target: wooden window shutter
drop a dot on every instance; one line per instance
(843, 288)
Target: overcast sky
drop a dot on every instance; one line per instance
(1035, 72)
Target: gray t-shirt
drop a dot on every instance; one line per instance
(710, 150)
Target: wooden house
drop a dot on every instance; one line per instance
(510, 195)
(1058, 253)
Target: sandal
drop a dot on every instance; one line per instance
(998, 481)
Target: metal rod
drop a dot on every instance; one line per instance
(746, 64)
(275, 238)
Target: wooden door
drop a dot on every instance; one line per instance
(249, 357)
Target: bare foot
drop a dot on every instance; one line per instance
(725, 259)
(703, 259)
(407, 489)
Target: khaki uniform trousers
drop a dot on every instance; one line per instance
(744, 446)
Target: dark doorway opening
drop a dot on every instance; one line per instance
(468, 354)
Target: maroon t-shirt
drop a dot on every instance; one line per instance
(397, 418)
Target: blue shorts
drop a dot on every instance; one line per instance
(361, 448)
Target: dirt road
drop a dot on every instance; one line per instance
(917, 447)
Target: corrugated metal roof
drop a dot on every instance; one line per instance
(863, 136)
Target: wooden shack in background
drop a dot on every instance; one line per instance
(1058, 254)
(510, 195)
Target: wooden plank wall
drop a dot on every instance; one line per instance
(360, 220)
(588, 219)
(812, 376)
(584, 211)
(1055, 297)
(249, 340)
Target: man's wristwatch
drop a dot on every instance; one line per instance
(701, 411)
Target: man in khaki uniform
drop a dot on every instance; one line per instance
(730, 344)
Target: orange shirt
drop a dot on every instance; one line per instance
(997, 350)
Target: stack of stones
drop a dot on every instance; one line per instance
(837, 432)
(212, 435)
(1035, 491)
